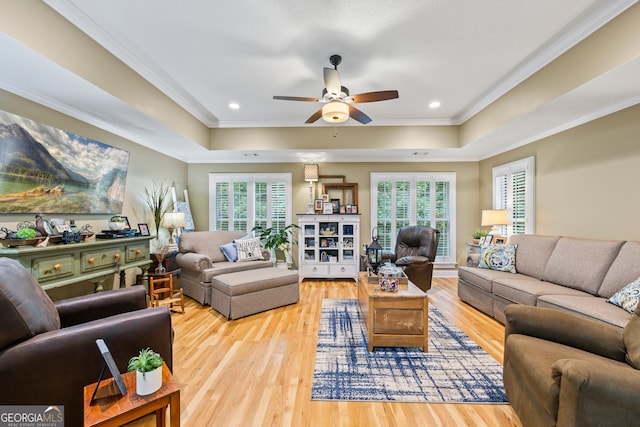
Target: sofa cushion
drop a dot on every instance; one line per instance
(25, 308)
(498, 257)
(230, 251)
(248, 249)
(581, 263)
(589, 307)
(481, 277)
(624, 269)
(230, 267)
(627, 298)
(526, 290)
(208, 242)
(533, 253)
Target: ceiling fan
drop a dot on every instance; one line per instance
(338, 103)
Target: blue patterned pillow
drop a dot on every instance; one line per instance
(627, 297)
(498, 257)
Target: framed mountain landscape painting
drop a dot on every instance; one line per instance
(49, 170)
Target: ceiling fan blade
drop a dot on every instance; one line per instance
(296, 98)
(358, 115)
(332, 81)
(382, 95)
(315, 116)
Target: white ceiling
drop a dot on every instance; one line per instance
(207, 54)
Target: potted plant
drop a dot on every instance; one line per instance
(280, 240)
(477, 235)
(117, 222)
(157, 200)
(148, 367)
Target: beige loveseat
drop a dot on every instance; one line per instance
(201, 259)
(564, 273)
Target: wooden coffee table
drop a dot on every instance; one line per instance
(393, 319)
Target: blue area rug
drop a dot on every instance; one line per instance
(455, 370)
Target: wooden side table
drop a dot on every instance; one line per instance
(112, 409)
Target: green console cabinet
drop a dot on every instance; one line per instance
(59, 265)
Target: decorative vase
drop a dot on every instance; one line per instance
(149, 382)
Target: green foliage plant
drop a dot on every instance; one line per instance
(26, 233)
(117, 218)
(274, 238)
(146, 361)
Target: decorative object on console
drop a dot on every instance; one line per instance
(494, 218)
(374, 251)
(171, 221)
(311, 175)
(157, 200)
(148, 367)
(117, 223)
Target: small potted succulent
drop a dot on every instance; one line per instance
(117, 222)
(148, 367)
(477, 235)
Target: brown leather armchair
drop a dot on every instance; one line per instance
(48, 351)
(565, 370)
(416, 248)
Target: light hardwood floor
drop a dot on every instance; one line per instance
(257, 371)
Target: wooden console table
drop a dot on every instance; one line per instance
(60, 265)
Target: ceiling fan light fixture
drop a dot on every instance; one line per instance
(335, 112)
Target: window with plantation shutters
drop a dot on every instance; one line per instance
(513, 190)
(240, 202)
(400, 199)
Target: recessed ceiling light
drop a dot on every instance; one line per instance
(434, 104)
(234, 105)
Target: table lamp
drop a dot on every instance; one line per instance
(310, 175)
(171, 221)
(494, 218)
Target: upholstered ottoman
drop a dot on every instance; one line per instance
(243, 293)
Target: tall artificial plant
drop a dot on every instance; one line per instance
(156, 198)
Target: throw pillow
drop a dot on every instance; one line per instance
(249, 249)
(627, 297)
(498, 257)
(230, 252)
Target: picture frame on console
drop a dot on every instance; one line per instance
(144, 230)
(318, 205)
(335, 204)
(327, 208)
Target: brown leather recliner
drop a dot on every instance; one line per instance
(48, 351)
(416, 248)
(568, 371)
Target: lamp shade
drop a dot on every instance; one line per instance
(335, 112)
(173, 220)
(311, 172)
(494, 217)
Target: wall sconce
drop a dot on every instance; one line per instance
(494, 218)
(311, 175)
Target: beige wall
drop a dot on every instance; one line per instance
(144, 165)
(586, 179)
(468, 213)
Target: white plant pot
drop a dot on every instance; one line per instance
(116, 225)
(150, 383)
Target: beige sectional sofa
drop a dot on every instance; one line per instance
(201, 259)
(564, 273)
